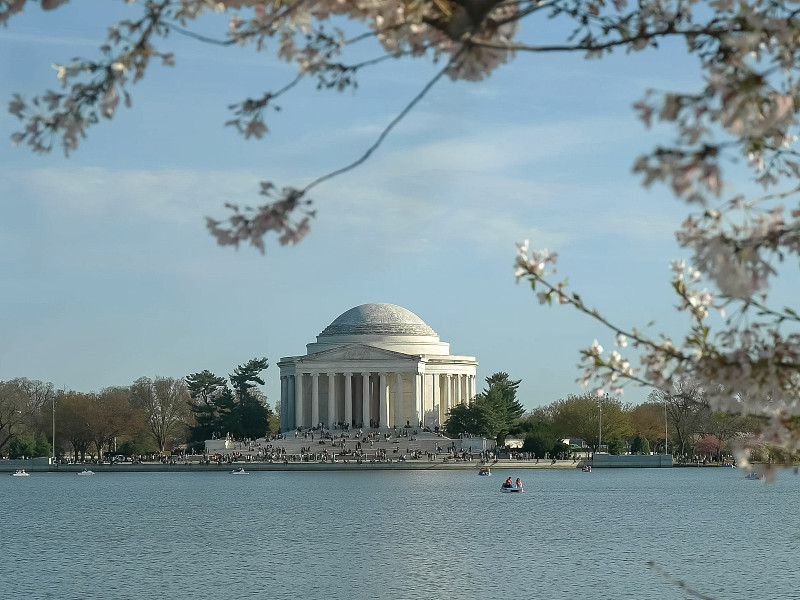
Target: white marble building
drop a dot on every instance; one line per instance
(376, 365)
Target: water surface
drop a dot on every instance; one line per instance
(405, 534)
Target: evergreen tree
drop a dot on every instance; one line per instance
(491, 414)
(539, 439)
(205, 389)
(21, 445)
(640, 445)
(43, 447)
(250, 413)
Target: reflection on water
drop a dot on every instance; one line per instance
(390, 535)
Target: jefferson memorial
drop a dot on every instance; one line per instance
(376, 365)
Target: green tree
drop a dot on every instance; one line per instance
(22, 445)
(616, 446)
(204, 389)
(491, 414)
(475, 418)
(43, 447)
(539, 439)
(640, 445)
(559, 450)
(580, 417)
(250, 414)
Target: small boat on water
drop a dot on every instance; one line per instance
(20, 473)
(586, 468)
(239, 471)
(755, 476)
(484, 471)
(512, 486)
(86, 472)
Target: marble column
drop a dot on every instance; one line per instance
(298, 400)
(331, 400)
(365, 398)
(448, 403)
(383, 417)
(437, 398)
(288, 406)
(459, 390)
(348, 399)
(314, 399)
(284, 385)
(398, 407)
(417, 400)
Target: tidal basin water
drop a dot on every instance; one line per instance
(404, 534)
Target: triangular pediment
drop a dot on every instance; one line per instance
(357, 353)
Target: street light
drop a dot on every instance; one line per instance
(54, 428)
(600, 432)
(665, 426)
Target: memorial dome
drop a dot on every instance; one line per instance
(378, 319)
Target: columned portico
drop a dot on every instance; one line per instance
(408, 377)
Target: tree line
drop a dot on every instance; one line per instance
(680, 422)
(161, 414)
(152, 415)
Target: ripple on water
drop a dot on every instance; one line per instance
(390, 535)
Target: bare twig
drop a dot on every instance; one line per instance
(401, 115)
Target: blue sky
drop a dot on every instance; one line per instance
(108, 274)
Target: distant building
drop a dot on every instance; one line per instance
(376, 365)
(574, 443)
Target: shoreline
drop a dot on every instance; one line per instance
(291, 466)
(31, 466)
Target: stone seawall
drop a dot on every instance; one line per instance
(8, 466)
(642, 461)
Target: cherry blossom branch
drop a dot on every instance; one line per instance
(400, 116)
(251, 224)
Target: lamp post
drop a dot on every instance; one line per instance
(54, 428)
(600, 429)
(665, 426)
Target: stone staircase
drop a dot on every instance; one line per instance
(395, 443)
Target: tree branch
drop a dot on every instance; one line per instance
(388, 128)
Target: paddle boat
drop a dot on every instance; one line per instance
(509, 486)
(239, 471)
(20, 473)
(754, 476)
(513, 488)
(85, 472)
(586, 469)
(484, 471)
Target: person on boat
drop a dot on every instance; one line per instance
(518, 483)
(507, 483)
